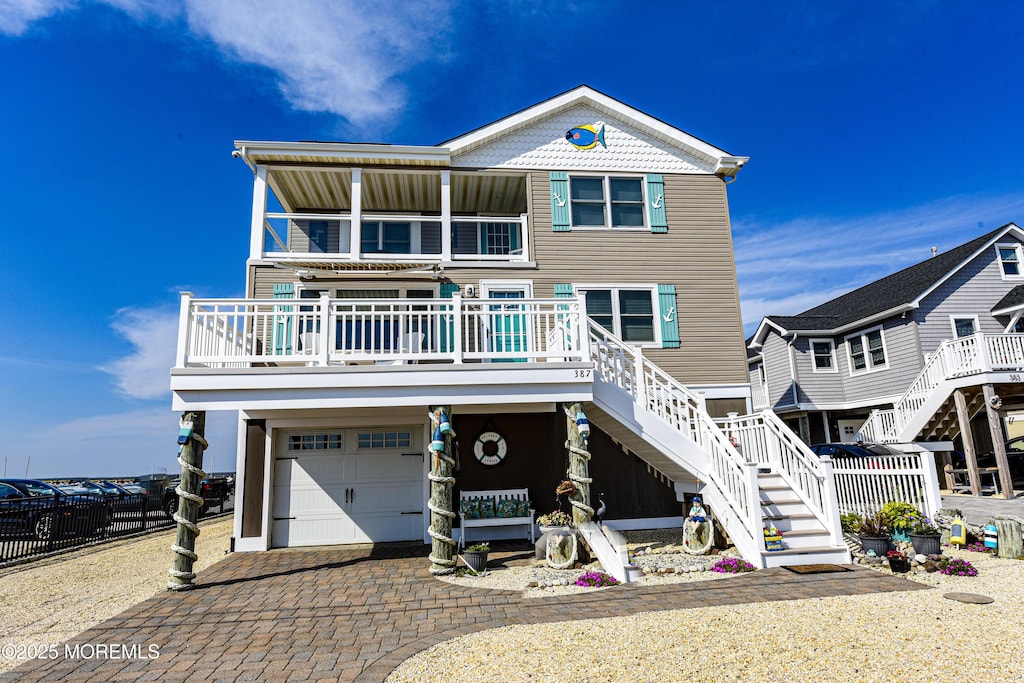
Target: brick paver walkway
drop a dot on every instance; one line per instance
(355, 613)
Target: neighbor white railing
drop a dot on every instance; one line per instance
(326, 331)
(864, 485)
(625, 366)
(765, 439)
(759, 395)
(954, 358)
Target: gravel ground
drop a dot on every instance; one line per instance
(48, 601)
(914, 636)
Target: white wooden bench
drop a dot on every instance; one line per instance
(516, 495)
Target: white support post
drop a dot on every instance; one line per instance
(184, 326)
(457, 325)
(446, 215)
(639, 377)
(582, 327)
(259, 211)
(326, 330)
(932, 497)
(755, 521)
(356, 225)
(830, 500)
(982, 351)
(524, 224)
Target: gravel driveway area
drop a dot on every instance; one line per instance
(48, 601)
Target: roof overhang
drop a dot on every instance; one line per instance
(283, 154)
(314, 268)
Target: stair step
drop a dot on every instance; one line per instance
(806, 551)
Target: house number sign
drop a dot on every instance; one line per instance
(490, 448)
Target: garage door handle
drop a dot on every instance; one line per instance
(417, 512)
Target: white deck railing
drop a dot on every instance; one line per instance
(864, 485)
(327, 237)
(765, 439)
(759, 395)
(325, 331)
(623, 365)
(974, 355)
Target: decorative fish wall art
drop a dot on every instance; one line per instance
(586, 137)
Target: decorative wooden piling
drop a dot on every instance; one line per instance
(578, 432)
(442, 467)
(190, 457)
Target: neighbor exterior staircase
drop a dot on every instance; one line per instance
(926, 410)
(754, 471)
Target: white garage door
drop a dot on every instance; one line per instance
(348, 486)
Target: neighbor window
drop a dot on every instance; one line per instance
(964, 327)
(386, 238)
(867, 351)
(607, 202)
(823, 351)
(1009, 259)
(626, 313)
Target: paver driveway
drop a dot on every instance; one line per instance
(354, 613)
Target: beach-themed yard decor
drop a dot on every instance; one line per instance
(490, 448)
(578, 432)
(698, 533)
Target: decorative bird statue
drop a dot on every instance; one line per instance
(601, 509)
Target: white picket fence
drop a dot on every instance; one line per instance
(864, 485)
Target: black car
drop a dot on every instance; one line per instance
(853, 450)
(1014, 457)
(29, 506)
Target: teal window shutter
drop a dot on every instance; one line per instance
(447, 341)
(559, 201)
(656, 202)
(669, 316)
(563, 291)
(282, 331)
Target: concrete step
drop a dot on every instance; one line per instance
(796, 522)
(817, 555)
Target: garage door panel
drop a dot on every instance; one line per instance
(383, 528)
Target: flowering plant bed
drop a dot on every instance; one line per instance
(732, 565)
(957, 567)
(596, 580)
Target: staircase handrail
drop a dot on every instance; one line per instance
(664, 396)
(806, 473)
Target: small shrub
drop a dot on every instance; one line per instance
(925, 527)
(479, 548)
(596, 579)
(899, 515)
(851, 522)
(957, 567)
(732, 565)
(873, 525)
(556, 518)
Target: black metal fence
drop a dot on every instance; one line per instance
(40, 525)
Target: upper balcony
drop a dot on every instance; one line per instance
(409, 208)
(329, 352)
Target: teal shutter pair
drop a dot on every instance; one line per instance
(447, 341)
(281, 333)
(561, 220)
(668, 312)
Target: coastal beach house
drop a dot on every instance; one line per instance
(931, 356)
(578, 250)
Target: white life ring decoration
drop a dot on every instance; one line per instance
(490, 448)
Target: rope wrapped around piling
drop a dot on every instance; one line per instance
(578, 431)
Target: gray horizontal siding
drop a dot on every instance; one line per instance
(816, 387)
(904, 364)
(781, 387)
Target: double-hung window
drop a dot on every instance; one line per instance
(606, 202)
(867, 351)
(626, 313)
(964, 326)
(1010, 261)
(824, 353)
(379, 237)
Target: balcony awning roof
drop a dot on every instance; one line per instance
(350, 267)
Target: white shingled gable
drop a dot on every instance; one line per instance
(542, 145)
(534, 138)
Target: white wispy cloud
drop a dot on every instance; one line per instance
(342, 57)
(145, 372)
(789, 266)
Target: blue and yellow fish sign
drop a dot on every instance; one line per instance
(586, 137)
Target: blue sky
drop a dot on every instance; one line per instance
(876, 130)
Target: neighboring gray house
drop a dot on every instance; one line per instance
(904, 351)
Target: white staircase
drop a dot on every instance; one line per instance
(768, 476)
(957, 363)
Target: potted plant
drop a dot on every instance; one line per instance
(874, 535)
(900, 517)
(553, 521)
(925, 537)
(898, 561)
(476, 557)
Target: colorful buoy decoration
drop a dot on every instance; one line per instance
(991, 536)
(437, 443)
(582, 424)
(444, 425)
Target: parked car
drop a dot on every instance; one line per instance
(214, 490)
(35, 507)
(154, 486)
(853, 450)
(118, 498)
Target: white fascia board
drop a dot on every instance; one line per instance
(762, 333)
(715, 391)
(882, 402)
(589, 96)
(870, 320)
(1008, 228)
(341, 150)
